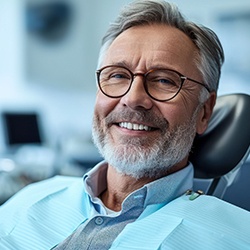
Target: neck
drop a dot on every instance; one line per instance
(119, 186)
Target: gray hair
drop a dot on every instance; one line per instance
(210, 57)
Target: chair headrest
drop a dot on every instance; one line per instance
(226, 140)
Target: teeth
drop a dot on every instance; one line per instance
(134, 126)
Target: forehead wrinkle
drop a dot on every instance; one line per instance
(126, 54)
(130, 63)
(150, 64)
(164, 50)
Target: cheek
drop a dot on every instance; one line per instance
(188, 102)
(177, 113)
(104, 105)
(175, 117)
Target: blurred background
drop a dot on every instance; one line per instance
(49, 51)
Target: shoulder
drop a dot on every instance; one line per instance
(203, 223)
(37, 191)
(209, 205)
(34, 215)
(212, 213)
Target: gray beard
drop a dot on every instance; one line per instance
(137, 158)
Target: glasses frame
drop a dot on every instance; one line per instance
(144, 75)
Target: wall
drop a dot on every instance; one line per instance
(58, 79)
(72, 61)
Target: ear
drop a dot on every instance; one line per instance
(205, 113)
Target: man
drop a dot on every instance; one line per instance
(158, 76)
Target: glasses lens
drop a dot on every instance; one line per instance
(114, 81)
(162, 84)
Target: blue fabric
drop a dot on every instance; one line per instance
(160, 191)
(44, 214)
(41, 215)
(89, 235)
(204, 223)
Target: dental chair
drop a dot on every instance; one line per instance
(219, 153)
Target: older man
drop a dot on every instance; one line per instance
(158, 76)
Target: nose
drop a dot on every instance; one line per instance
(137, 96)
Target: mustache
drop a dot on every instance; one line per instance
(140, 116)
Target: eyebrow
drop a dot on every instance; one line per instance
(123, 63)
(128, 65)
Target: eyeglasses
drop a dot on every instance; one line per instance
(160, 84)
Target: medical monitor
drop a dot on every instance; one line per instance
(21, 128)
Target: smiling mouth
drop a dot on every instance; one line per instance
(135, 126)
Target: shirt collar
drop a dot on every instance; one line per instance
(170, 187)
(162, 190)
(95, 181)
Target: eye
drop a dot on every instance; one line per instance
(162, 81)
(164, 78)
(165, 81)
(119, 75)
